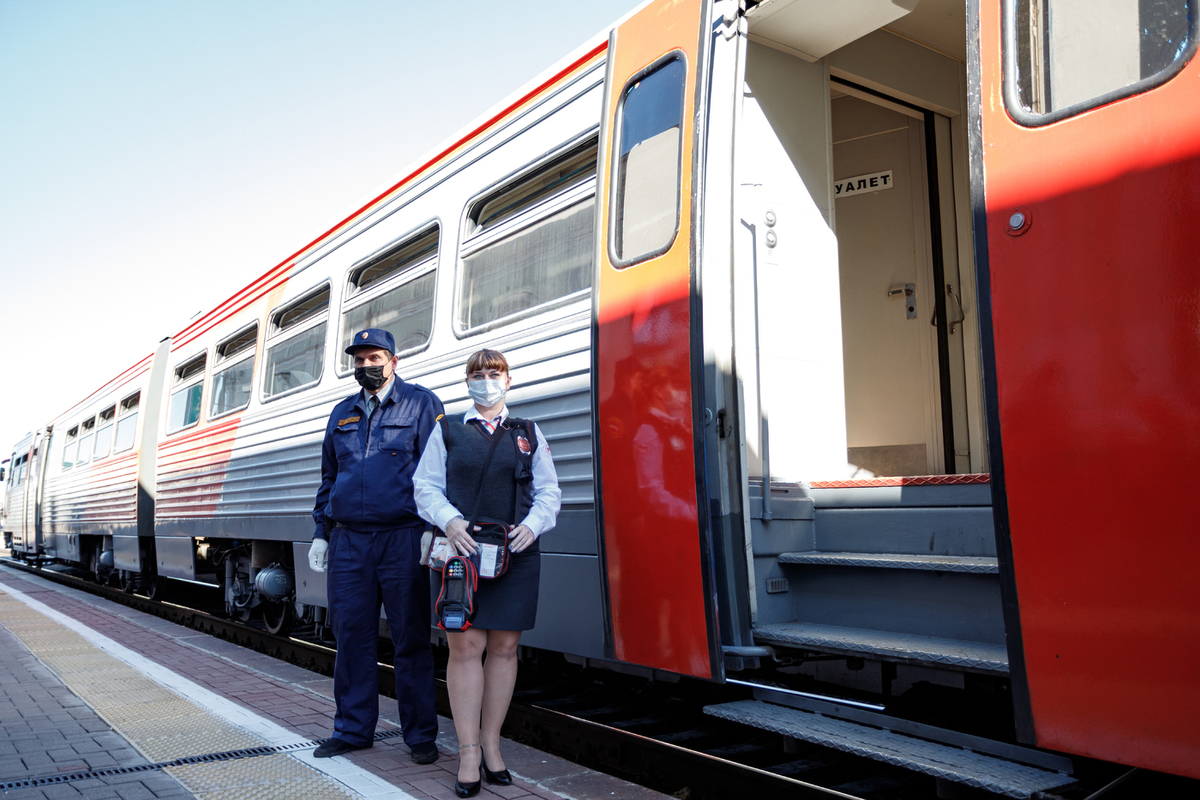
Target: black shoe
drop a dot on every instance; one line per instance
(337, 747)
(501, 778)
(424, 753)
(467, 789)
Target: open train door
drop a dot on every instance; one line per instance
(657, 558)
(1086, 179)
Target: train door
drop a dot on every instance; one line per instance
(656, 554)
(21, 506)
(1086, 165)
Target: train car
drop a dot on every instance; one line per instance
(864, 338)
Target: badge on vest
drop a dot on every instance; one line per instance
(342, 422)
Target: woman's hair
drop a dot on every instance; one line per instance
(486, 360)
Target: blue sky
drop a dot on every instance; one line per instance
(156, 155)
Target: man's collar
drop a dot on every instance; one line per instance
(382, 395)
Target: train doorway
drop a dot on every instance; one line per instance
(901, 300)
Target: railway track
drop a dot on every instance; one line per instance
(654, 734)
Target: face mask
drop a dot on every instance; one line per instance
(486, 392)
(370, 378)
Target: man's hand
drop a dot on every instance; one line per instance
(317, 555)
(462, 541)
(521, 538)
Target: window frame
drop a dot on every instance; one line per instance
(353, 299)
(87, 430)
(123, 411)
(1032, 119)
(72, 438)
(179, 384)
(615, 156)
(101, 425)
(473, 240)
(228, 362)
(273, 335)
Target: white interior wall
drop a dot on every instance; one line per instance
(786, 273)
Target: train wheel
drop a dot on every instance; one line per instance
(155, 587)
(128, 583)
(279, 618)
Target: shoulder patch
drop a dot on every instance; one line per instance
(347, 420)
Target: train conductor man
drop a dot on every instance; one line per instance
(368, 541)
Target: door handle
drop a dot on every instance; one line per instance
(910, 299)
(962, 315)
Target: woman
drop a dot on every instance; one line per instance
(446, 485)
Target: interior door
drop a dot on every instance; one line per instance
(1086, 165)
(656, 553)
(893, 401)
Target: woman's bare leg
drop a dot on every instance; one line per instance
(499, 677)
(465, 683)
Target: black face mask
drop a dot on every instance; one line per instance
(370, 378)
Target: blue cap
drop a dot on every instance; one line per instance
(372, 337)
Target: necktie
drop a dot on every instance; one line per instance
(372, 404)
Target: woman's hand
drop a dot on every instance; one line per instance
(459, 538)
(521, 538)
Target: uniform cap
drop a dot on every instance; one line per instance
(372, 337)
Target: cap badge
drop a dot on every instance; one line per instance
(364, 335)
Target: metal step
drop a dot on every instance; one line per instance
(930, 758)
(887, 645)
(973, 564)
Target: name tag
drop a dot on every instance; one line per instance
(342, 422)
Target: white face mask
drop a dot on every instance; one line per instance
(486, 392)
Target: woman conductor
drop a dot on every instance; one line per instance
(446, 485)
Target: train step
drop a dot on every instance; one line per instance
(945, 762)
(972, 564)
(890, 645)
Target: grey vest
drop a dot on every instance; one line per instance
(467, 445)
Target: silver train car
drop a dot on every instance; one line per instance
(738, 256)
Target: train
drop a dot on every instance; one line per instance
(864, 337)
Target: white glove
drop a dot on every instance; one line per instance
(316, 555)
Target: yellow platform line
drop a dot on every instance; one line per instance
(166, 716)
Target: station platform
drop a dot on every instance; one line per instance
(101, 701)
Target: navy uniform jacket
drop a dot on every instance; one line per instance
(366, 473)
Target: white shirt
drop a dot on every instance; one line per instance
(429, 481)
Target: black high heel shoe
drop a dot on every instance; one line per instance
(467, 789)
(501, 778)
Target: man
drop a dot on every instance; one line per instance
(369, 533)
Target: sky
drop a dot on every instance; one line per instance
(158, 155)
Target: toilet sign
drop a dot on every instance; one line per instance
(861, 184)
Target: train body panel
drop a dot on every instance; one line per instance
(1089, 175)
(728, 251)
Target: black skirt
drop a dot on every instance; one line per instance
(508, 603)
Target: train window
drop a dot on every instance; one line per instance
(1064, 56)
(231, 383)
(104, 433)
(393, 291)
(183, 411)
(86, 430)
(70, 448)
(296, 347)
(645, 213)
(529, 243)
(127, 423)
